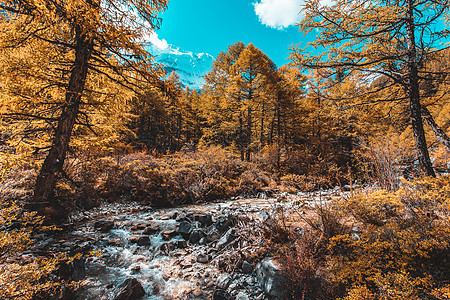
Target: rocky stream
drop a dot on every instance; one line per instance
(192, 252)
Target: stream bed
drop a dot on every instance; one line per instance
(192, 252)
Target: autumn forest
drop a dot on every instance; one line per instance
(336, 164)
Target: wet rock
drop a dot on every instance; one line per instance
(246, 267)
(271, 279)
(168, 234)
(73, 271)
(130, 289)
(115, 242)
(143, 241)
(224, 281)
(168, 247)
(242, 296)
(196, 235)
(223, 223)
(85, 247)
(137, 227)
(104, 225)
(204, 220)
(222, 295)
(203, 258)
(181, 244)
(140, 240)
(212, 235)
(227, 238)
(185, 229)
(152, 228)
(169, 216)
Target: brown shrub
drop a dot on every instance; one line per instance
(206, 175)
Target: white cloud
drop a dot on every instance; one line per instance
(159, 43)
(278, 14)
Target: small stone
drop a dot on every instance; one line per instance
(143, 241)
(137, 227)
(205, 220)
(203, 258)
(167, 247)
(104, 225)
(224, 223)
(197, 292)
(152, 228)
(223, 281)
(221, 295)
(227, 238)
(196, 235)
(247, 268)
(181, 244)
(355, 236)
(168, 234)
(212, 235)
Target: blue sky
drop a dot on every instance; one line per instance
(211, 26)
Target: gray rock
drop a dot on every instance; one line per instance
(221, 295)
(140, 240)
(104, 225)
(203, 258)
(247, 268)
(143, 241)
(196, 235)
(271, 279)
(223, 281)
(185, 229)
(223, 223)
(227, 238)
(263, 215)
(168, 234)
(130, 289)
(212, 235)
(205, 220)
(181, 244)
(152, 228)
(242, 296)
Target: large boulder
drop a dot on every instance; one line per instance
(104, 225)
(271, 279)
(130, 289)
(185, 229)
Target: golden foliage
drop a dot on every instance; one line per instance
(21, 276)
(403, 250)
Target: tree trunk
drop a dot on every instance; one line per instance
(241, 146)
(249, 133)
(261, 135)
(438, 132)
(53, 164)
(414, 96)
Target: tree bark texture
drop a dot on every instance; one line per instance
(414, 97)
(53, 163)
(438, 132)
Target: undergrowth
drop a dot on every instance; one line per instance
(377, 245)
(25, 276)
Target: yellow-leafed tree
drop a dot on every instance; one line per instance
(392, 39)
(76, 41)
